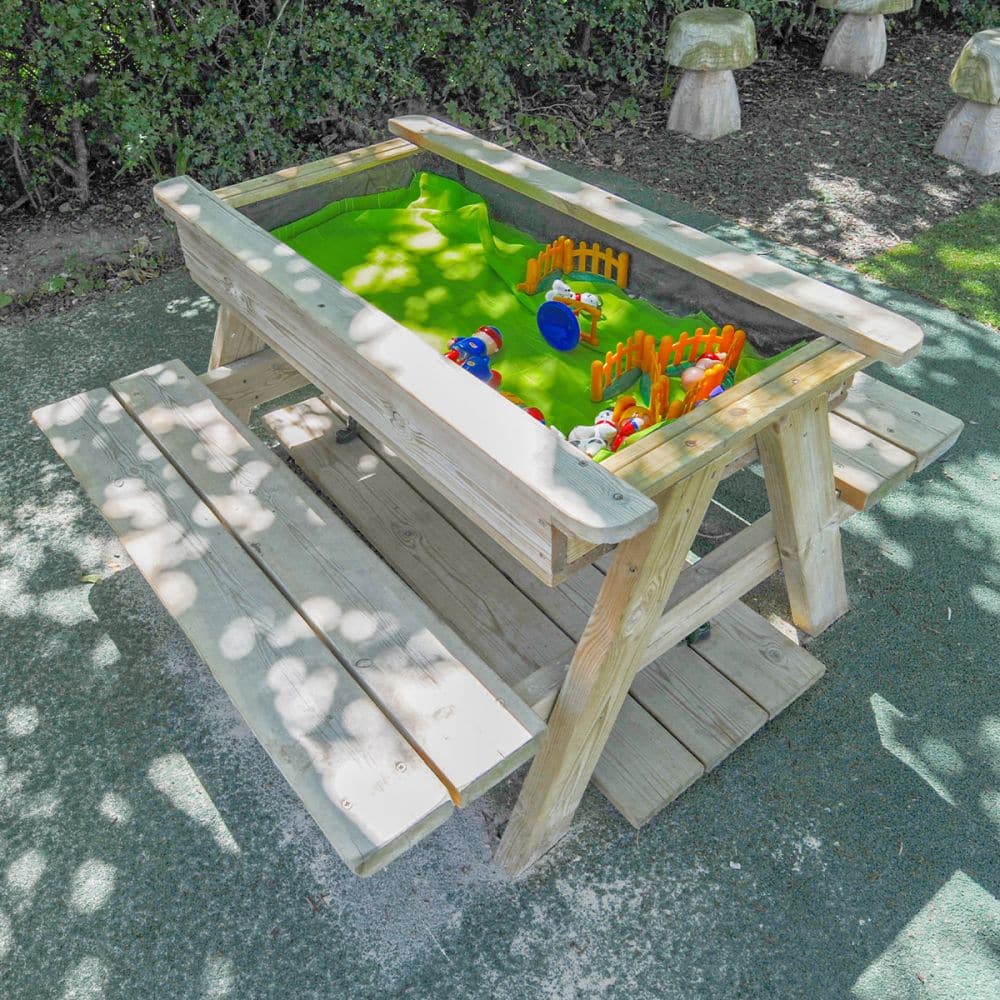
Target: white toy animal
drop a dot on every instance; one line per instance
(560, 290)
(591, 440)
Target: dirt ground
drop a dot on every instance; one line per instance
(840, 167)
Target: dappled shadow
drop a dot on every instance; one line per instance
(840, 165)
(128, 778)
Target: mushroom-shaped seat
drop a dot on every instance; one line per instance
(708, 44)
(971, 133)
(857, 45)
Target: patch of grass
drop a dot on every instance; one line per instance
(956, 263)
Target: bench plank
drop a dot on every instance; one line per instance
(466, 723)
(909, 423)
(865, 466)
(699, 706)
(758, 659)
(369, 792)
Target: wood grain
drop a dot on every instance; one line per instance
(796, 456)
(632, 596)
(372, 797)
(463, 720)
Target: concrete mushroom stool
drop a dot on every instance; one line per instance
(857, 45)
(708, 44)
(971, 133)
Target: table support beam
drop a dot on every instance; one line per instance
(610, 652)
(796, 455)
(234, 338)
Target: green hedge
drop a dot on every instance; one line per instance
(99, 89)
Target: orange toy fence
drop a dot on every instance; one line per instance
(642, 352)
(562, 255)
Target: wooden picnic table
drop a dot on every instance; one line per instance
(569, 580)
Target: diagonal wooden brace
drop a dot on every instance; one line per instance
(610, 652)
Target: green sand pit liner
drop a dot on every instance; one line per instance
(430, 256)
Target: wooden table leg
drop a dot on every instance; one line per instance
(798, 464)
(609, 654)
(233, 340)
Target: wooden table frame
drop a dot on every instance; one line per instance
(283, 324)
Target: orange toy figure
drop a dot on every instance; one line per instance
(629, 418)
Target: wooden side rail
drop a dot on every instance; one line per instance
(377, 713)
(400, 388)
(289, 179)
(870, 329)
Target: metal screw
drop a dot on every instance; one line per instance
(363, 662)
(347, 803)
(400, 766)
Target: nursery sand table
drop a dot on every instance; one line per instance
(515, 599)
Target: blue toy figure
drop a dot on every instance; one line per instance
(472, 354)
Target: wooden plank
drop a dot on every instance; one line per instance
(252, 381)
(464, 721)
(758, 659)
(371, 797)
(513, 621)
(401, 388)
(283, 182)
(917, 427)
(234, 339)
(798, 474)
(852, 321)
(643, 767)
(644, 572)
(700, 707)
(865, 466)
(714, 582)
(680, 448)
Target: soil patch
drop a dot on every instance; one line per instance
(838, 166)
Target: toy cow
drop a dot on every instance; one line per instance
(560, 290)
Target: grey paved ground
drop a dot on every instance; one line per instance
(149, 849)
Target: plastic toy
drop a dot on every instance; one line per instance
(560, 290)
(693, 375)
(563, 255)
(630, 418)
(473, 354)
(591, 440)
(532, 411)
(558, 325)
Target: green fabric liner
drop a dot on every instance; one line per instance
(430, 256)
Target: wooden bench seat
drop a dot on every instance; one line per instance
(691, 707)
(378, 714)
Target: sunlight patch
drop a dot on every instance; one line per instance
(114, 808)
(86, 979)
(93, 882)
(24, 872)
(22, 720)
(175, 778)
(949, 949)
(888, 720)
